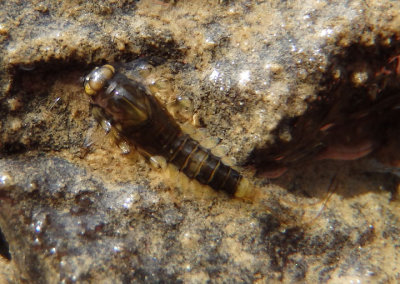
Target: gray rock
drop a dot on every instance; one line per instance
(74, 209)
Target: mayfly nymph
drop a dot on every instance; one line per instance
(140, 119)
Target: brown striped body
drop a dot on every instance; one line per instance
(141, 119)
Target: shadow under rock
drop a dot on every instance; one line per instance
(354, 121)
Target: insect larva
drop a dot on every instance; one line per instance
(141, 120)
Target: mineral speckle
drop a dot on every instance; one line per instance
(74, 209)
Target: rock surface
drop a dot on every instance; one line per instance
(74, 209)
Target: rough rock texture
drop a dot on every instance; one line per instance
(259, 75)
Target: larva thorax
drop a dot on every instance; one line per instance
(141, 120)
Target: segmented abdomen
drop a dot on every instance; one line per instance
(198, 163)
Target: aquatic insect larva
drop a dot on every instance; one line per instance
(139, 118)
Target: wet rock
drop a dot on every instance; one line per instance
(74, 209)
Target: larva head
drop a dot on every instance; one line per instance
(97, 79)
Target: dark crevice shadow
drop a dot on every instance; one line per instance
(349, 178)
(35, 105)
(4, 247)
(354, 121)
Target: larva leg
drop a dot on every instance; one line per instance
(101, 119)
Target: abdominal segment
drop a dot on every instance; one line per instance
(198, 163)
